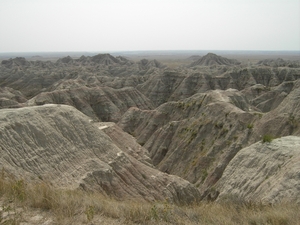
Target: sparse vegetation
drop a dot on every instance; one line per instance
(258, 114)
(204, 174)
(78, 207)
(267, 138)
(219, 125)
(250, 126)
(177, 114)
(235, 137)
(228, 142)
(90, 212)
(223, 132)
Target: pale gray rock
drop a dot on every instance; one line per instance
(185, 137)
(126, 142)
(264, 172)
(10, 98)
(104, 103)
(60, 145)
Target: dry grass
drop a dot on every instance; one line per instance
(78, 207)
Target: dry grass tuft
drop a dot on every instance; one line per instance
(78, 207)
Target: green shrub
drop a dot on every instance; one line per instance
(250, 126)
(267, 138)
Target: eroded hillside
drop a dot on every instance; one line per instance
(191, 121)
(61, 145)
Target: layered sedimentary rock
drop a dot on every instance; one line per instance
(59, 144)
(264, 172)
(10, 98)
(188, 121)
(34, 77)
(101, 103)
(186, 137)
(213, 59)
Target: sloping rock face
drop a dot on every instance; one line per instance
(104, 103)
(284, 120)
(267, 99)
(145, 64)
(197, 137)
(59, 144)
(266, 172)
(191, 121)
(19, 61)
(188, 137)
(126, 142)
(10, 98)
(173, 85)
(100, 59)
(34, 77)
(213, 59)
(160, 87)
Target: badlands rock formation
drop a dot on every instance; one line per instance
(186, 137)
(189, 121)
(100, 103)
(10, 98)
(213, 59)
(34, 77)
(267, 172)
(59, 144)
(279, 62)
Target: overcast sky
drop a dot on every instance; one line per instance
(122, 25)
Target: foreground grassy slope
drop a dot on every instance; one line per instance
(25, 203)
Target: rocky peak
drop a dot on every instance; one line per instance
(146, 64)
(105, 59)
(18, 61)
(67, 59)
(213, 59)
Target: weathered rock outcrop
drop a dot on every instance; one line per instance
(145, 64)
(126, 142)
(160, 87)
(10, 98)
(284, 120)
(176, 85)
(104, 103)
(187, 137)
(213, 59)
(18, 61)
(264, 172)
(269, 98)
(197, 137)
(61, 145)
(192, 120)
(34, 77)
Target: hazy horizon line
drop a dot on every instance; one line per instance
(166, 50)
(123, 52)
